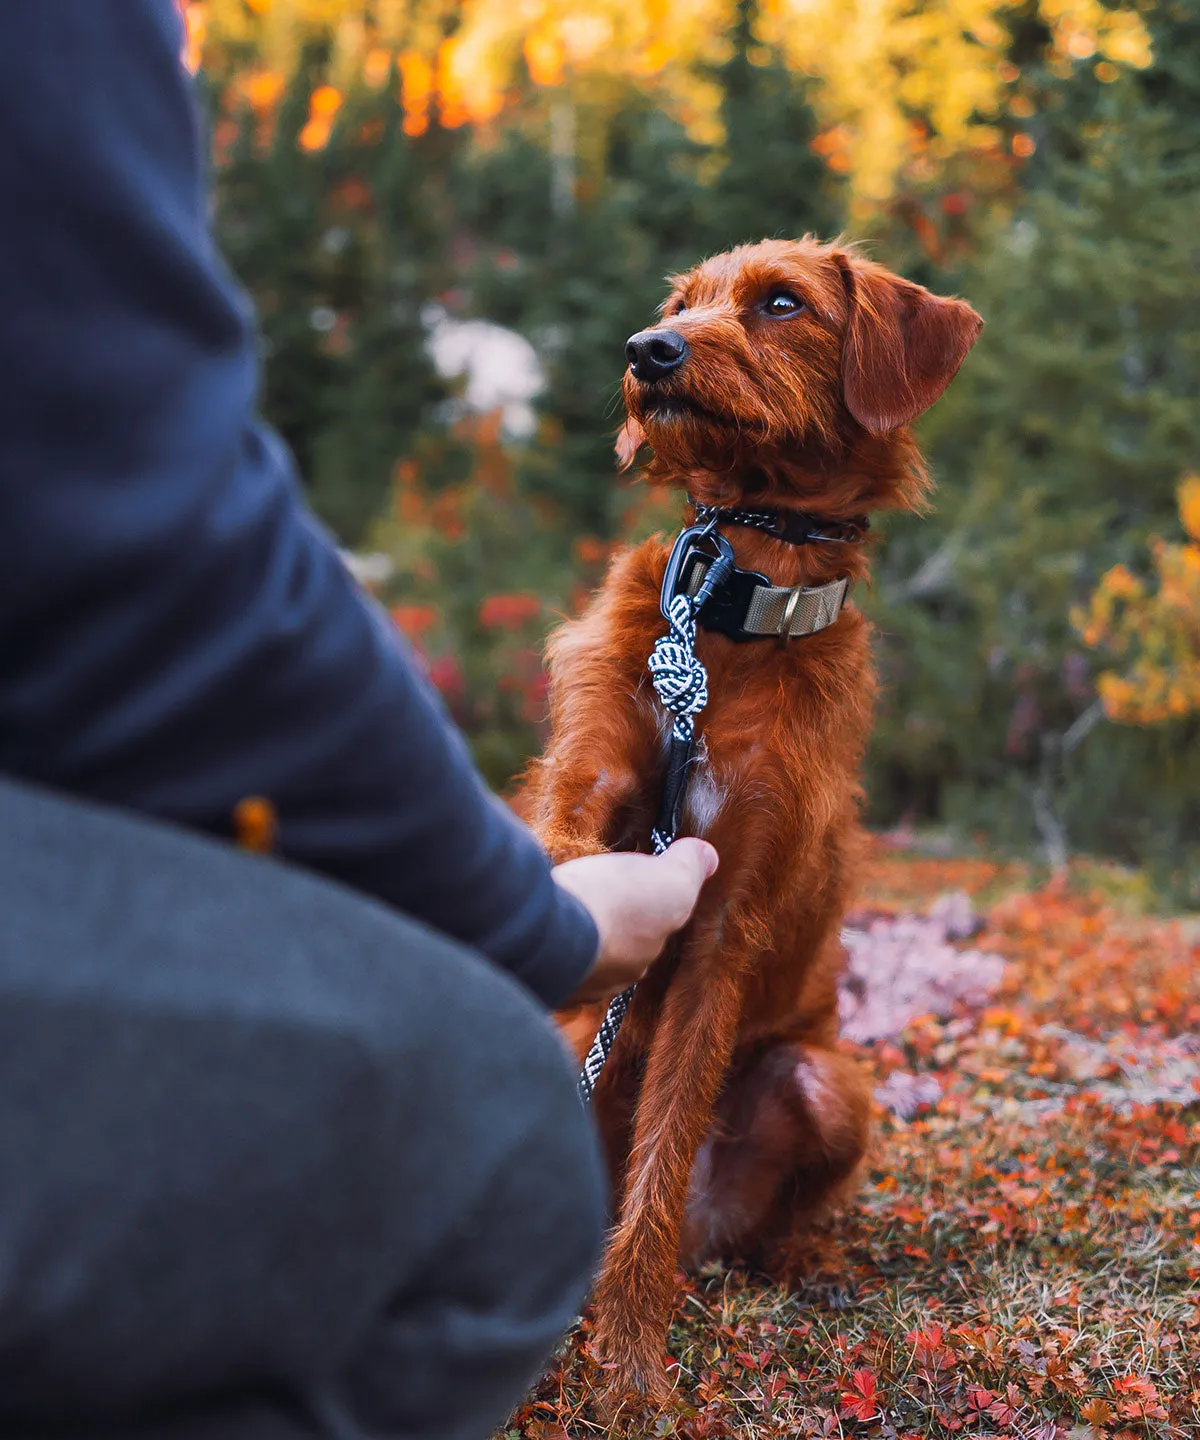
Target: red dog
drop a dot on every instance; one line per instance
(779, 382)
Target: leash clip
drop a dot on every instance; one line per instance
(687, 544)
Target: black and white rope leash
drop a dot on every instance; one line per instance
(681, 683)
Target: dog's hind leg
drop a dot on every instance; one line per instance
(790, 1131)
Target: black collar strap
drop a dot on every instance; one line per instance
(797, 527)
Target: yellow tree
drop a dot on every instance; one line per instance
(1155, 628)
(898, 82)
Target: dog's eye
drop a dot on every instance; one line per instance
(782, 303)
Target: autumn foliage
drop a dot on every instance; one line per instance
(1154, 628)
(1023, 1261)
(891, 78)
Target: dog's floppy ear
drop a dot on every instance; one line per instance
(630, 439)
(902, 347)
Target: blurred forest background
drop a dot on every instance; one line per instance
(395, 178)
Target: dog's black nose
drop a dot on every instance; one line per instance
(655, 354)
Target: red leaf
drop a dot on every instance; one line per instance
(860, 1399)
(1138, 1385)
(1005, 1411)
(447, 674)
(775, 1386)
(978, 1398)
(1142, 1410)
(414, 620)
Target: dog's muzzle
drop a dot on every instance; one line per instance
(655, 354)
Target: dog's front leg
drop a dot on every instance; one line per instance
(576, 792)
(573, 793)
(604, 738)
(688, 1059)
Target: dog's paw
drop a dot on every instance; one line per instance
(628, 1341)
(632, 1387)
(564, 845)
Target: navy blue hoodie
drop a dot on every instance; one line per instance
(176, 630)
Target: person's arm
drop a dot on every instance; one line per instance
(176, 631)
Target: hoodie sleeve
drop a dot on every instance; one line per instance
(176, 631)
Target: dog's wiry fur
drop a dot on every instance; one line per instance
(727, 1111)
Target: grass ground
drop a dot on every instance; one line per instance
(1023, 1257)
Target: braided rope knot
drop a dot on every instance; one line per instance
(680, 680)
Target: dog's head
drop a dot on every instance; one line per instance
(787, 348)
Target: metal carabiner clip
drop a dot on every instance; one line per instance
(688, 543)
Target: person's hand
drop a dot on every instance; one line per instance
(638, 902)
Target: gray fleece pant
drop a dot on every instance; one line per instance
(275, 1162)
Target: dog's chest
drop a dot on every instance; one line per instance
(732, 758)
(705, 797)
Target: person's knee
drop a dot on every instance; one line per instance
(458, 1342)
(545, 1203)
(564, 1151)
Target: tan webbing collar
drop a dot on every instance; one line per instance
(785, 611)
(801, 610)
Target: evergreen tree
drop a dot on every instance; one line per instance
(1057, 452)
(771, 183)
(564, 224)
(1172, 83)
(336, 246)
(580, 268)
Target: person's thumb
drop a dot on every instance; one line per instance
(691, 863)
(697, 855)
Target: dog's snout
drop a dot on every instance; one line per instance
(655, 354)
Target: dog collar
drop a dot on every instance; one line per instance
(744, 605)
(797, 527)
